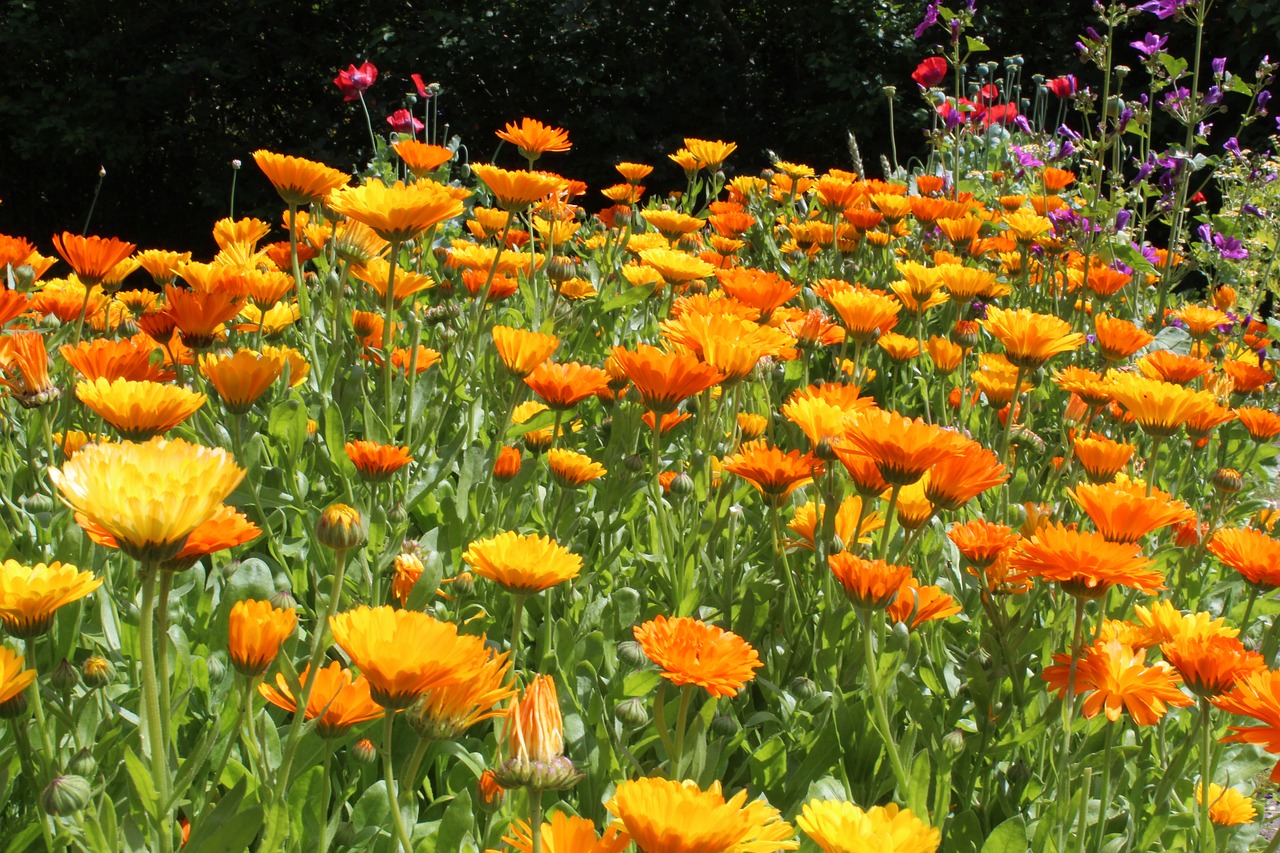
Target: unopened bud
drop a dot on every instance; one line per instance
(725, 725)
(66, 795)
(682, 485)
(634, 462)
(364, 752)
(631, 713)
(464, 583)
(953, 744)
(803, 688)
(64, 676)
(631, 654)
(282, 599)
(341, 528)
(97, 672)
(83, 764)
(1227, 480)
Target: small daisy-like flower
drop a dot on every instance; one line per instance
(522, 564)
(689, 651)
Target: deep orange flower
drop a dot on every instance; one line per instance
(564, 385)
(757, 288)
(903, 448)
(129, 358)
(1201, 320)
(1031, 339)
(24, 369)
(299, 182)
(664, 379)
(1211, 664)
(1160, 408)
(1091, 387)
(398, 212)
(1118, 679)
(522, 351)
(13, 304)
(565, 834)
(672, 224)
(534, 138)
(377, 462)
(866, 314)
(92, 258)
(405, 653)
(507, 465)
(956, 480)
(1261, 424)
(139, 410)
(1085, 564)
(242, 378)
(522, 564)
(918, 604)
(516, 190)
(1252, 553)
(1118, 339)
(1257, 696)
(868, 584)
(254, 635)
(1101, 457)
(421, 158)
(572, 469)
(729, 344)
(669, 421)
(1246, 375)
(339, 698)
(691, 652)
(980, 541)
(227, 528)
(198, 315)
(774, 474)
(1124, 512)
(1167, 366)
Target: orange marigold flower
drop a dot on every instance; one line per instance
(849, 515)
(868, 584)
(730, 344)
(226, 528)
(774, 474)
(757, 288)
(1261, 424)
(1125, 512)
(1211, 664)
(376, 272)
(298, 181)
(532, 742)
(254, 635)
(522, 564)
(676, 267)
(398, 212)
(1118, 339)
(980, 541)
(1169, 367)
(1031, 339)
(710, 155)
(1252, 553)
(903, 448)
(564, 385)
(1101, 457)
(92, 258)
(1258, 696)
(516, 190)
(377, 462)
(568, 834)
(24, 369)
(918, 604)
(507, 464)
(198, 314)
(956, 480)
(1118, 679)
(129, 358)
(664, 379)
(13, 680)
(837, 826)
(572, 469)
(534, 138)
(665, 815)
(339, 698)
(242, 378)
(31, 595)
(13, 304)
(421, 158)
(1200, 320)
(139, 410)
(445, 713)
(1085, 564)
(1162, 622)
(1227, 806)
(689, 651)
(404, 653)
(522, 351)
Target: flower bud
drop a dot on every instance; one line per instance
(953, 745)
(634, 462)
(803, 688)
(724, 725)
(341, 528)
(97, 672)
(37, 503)
(682, 485)
(561, 268)
(464, 583)
(282, 599)
(507, 465)
(491, 793)
(1227, 480)
(217, 666)
(83, 764)
(398, 514)
(631, 713)
(631, 654)
(24, 276)
(66, 795)
(364, 752)
(64, 676)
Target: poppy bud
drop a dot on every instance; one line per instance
(364, 752)
(341, 528)
(631, 713)
(66, 795)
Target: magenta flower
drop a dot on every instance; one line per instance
(402, 121)
(355, 80)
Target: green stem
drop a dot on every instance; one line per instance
(1206, 773)
(535, 820)
(886, 533)
(151, 702)
(389, 307)
(682, 719)
(409, 772)
(1104, 799)
(516, 616)
(1068, 716)
(881, 711)
(162, 651)
(397, 819)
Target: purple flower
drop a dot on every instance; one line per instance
(930, 18)
(1150, 45)
(1263, 98)
(1025, 158)
(1213, 96)
(1251, 209)
(955, 30)
(1020, 121)
(1123, 218)
(1229, 248)
(1164, 9)
(1067, 132)
(1220, 65)
(1232, 145)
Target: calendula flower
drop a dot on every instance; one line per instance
(522, 564)
(405, 653)
(565, 834)
(298, 181)
(421, 158)
(956, 480)
(24, 369)
(903, 449)
(521, 351)
(710, 155)
(866, 314)
(1086, 564)
(13, 681)
(774, 474)
(1101, 457)
(516, 190)
(1201, 320)
(762, 290)
(664, 379)
(981, 542)
(1118, 339)
(139, 410)
(1211, 664)
(377, 462)
(377, 271)
(689, 651)
(1124, 512)
(564, 385)
(868, 584)
(242, 378)
(676, 267)
(1168, 366)
(1261, 424)
(445, 713)
(534, 138)
(533, 741)
(339, 698)
(129, 358)
(1118, 679)
(92, 258)
(572, 469)
(1227, 806)
(1160, 408)
(31, 595)
(254, 634)
(842, 827)
(805, 523)
(199, 314)
(1162, 622)
(729, 344)
(1258, 696)
(1252, 553)
(663, 815)
(917, 604)
(149, 496)
(1031, 339)
(398, 212)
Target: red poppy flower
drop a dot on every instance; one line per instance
(355, 80)
(930, 72)
(1063, 87)
(402, 121)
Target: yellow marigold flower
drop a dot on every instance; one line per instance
(376, 271)
(398, 212)
(445, 713)
(139, 410)
(805, 523)
(534, 138)
(521, 351)
(710, 155)
(842, 827)
(522, 564)
(30, 595)
(405, 653)
(1031, 339)
(672, 223)
(296, 363)
(149, 496)
(664, 815)
(254, 634)
(13, 681)
(572, 469)
(337, 698)
(1227, 806)
(516, 190)
(299, 181)
(676, 267)
(242, 378)
(421, 158)
(1160, 408)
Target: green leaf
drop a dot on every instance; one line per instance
(1008, 837)
(287, 424)
(630, 296)
(231, 827)
(457, 823)
(975, 45)
(306, 804)
(143, 786)
(335, 438)
(769, 764)
(1175, 67)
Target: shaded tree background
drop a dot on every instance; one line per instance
(165, 93)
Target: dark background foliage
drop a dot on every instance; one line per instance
(165, 93)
